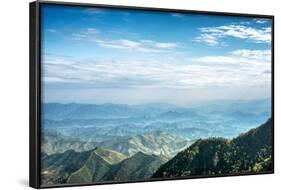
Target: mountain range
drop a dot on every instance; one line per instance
(249, 152)
(97, 165)
(157, 142)
(97, 123)
(85, 143)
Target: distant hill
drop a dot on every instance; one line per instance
(178, 114)
(249, 152)
(110, 156)
(248, 106)
(104, 122)
(139, 166)
(157, 142)
(52, 143)
(58, 111)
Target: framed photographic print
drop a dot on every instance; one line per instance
(131, 94)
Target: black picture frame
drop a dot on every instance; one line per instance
(35, 87)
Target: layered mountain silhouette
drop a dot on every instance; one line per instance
(158, 143)
(98, 165)
(249, 152)
(53, 143)
(88, 143)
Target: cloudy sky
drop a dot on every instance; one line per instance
(98, 55)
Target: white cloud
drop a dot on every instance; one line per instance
(137, 45)
(210, 39)
(261, 20)
(240, 68)
(253, 54)
(212, 35)
(148, 46)
(92, 31)
(167, 45)
(120, 44)
(240, 59)
(52, 30)
(94, 11)
(179, 15)
(59, 80)
(88, 34)
(58, 60)
(249, 68)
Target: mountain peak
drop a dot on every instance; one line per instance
(140, 154)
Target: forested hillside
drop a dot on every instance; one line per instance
(249, 152)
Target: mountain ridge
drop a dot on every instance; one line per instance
(249, 152)
(139, 166)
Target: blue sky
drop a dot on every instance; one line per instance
(99, 55)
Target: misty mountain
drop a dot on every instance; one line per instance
(181, 129)
(110, 156)
(105, 122)
(158, 143)
(57, 111)
(178, 114)
(246, 106)
(245, 117)
(57, 143)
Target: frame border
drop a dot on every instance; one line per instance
(34, 102)
(35, 89)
